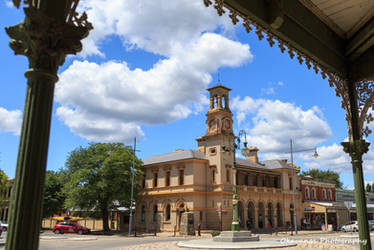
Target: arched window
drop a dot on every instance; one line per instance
(314, 194)
(307, 193)
(155, 213)
(329, 194)
(167, 212)
(213, 176)
(324, 194)
(143, 213)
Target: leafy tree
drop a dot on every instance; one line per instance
(4, 186)
(368, 188)
(99, 177)
(325, 175)
(54, 196)
(372, 187)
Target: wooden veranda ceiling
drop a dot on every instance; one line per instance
(337, 36)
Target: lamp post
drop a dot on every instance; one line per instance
(293, 177)
(232, 148)
(133, 170)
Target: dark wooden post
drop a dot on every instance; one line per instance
(356, 147)
(46, 36)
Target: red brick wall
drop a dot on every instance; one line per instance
(318, 193)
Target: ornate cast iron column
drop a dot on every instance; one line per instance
(50, 31)
(356, 147)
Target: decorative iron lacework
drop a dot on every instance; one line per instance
(73, 17)
(365, 93)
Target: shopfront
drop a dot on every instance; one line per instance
(317, 214)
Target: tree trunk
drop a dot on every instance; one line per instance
(105, 220)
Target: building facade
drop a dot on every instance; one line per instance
(201, 181)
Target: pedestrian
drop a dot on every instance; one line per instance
(270, 226)
(198, 229)
(248, 225)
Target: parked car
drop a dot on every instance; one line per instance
(4, 226)
(350, 227)
(70, 227)
(371, 225)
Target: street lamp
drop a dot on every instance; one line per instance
(293, 175)
(133, 170)
(232, 148)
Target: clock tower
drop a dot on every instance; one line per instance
(218, 133)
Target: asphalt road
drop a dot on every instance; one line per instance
(101, 243)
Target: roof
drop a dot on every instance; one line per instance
(269, 164)
(175, 156)
(276, 164)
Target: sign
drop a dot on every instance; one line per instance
(329, 210)
(348, 204)
(309, 208)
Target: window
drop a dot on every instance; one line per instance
(307, 194)
(330, 194)
(213, 176)
(228, 175)
(201, 215)
(212, 151)
(167, 179)
(155, 213)
(324, 194)
(143, 213)
(155, 178)
(143, 181)
(246, 180)
(313, 194)
(291, 186)
(167, 212)
(181, 177)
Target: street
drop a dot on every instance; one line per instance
(50, 241)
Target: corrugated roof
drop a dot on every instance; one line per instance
(175, 156)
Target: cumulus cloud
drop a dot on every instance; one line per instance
(334, 158)
(110, 101)
(10, 121)
(9, 4)
(274, 123)
(156, 26)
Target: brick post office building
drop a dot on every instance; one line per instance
(201, 181)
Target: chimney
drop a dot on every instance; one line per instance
(252, 155)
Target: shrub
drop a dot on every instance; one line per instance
(215, 233)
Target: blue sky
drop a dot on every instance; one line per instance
(144, 72)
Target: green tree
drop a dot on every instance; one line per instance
(372, 187)
(54, 195)
(4, 187)
(325, 175)
(368, 188)
(99, 177)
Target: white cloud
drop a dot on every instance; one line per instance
(156, 26)
(280, 83)
(274, 123)
(110, 102)
(10, 121)
(9, 4)
(334, 158)
(268, 91)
